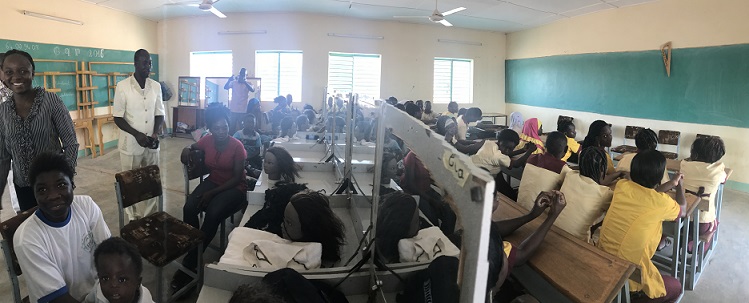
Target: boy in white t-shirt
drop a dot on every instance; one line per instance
(55, 246)
(493, 155)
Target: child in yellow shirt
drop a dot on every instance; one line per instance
(633, 228)
(568, 129)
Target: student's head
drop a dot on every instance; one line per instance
(389, 166)
(217, 121)
(280, 101)
(289, 99)
(400, 106)
(287, 127)
(473, 114)
(310, 114)
(308, 218)
(708, 149)
(260, 292)
(242, 74)
(556, 144)
(397, 218)
(647, 168)
(18, 71)
(413, 110)
(420, 104)
(593, 163)
(253, 106)
(599, 135)
(446, 126)
(392, 100)
(646, 139)
(428, 107)
(119, 267)
(462, 111)
(330, 101)
(249, 123)
(302, 123)
(51, 178)
(142, 62)
(567, 128)
(277, 162)
(339, 102)
(507, 139)
(452, 107)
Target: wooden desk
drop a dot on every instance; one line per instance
(494, 117)
(87, 126)
(579, 270)
(100, 121)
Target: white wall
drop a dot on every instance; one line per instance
(407, 50)
(102, 28)
(687, 23)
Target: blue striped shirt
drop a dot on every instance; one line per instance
(47, 128)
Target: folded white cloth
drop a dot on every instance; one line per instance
(260, 249)
(427, 245)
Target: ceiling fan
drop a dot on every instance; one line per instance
(205, 5)
(436, 16)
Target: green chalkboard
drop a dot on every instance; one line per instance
(67, 83)
(708, 85)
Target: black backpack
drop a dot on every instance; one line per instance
(294, 288)
(436, 284)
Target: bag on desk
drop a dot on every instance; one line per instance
(429, 244)
(436, 284)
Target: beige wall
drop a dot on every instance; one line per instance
(407, 50)
(102, 28)
(687, 23)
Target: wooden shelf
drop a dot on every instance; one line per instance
(53, 90)
(85, 72)
(86, 88)
(87, 103)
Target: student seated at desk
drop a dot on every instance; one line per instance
(452, 110)
(471, 115)
(120, 268)
(704, 171)
(645, 139)
(55, 246)
(280, 174)
(413, 110)
(251, 141)
(503, 256)
(530, 135)
(309, 218)
(494, 155)
(302, 123)
(633, 227)
(587, 198)
(428, 116)
(288, 130)
(262, 120)
(544, 172)
(599, 135)
(447, 127)
(222, 193)
(568, 129)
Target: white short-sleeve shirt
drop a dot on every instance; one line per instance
(58, 258)
(489, 157)
(462, 128)
(139, 107)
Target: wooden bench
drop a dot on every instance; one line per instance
(578, 270)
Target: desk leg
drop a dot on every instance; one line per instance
(682, 261)
(101, 137)
(676, 249)
(692, 267)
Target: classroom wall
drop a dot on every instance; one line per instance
(102, 28)
(687, 23)
(407, 51)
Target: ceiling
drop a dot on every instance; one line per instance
(493, 15)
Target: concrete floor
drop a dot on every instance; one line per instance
(725, 278)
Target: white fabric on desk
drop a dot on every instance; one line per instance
(426, 246)
(260, 249)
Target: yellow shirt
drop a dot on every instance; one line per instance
(572, 147)
(708, 175)
(632, 230)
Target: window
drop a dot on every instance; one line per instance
(210, 64)
(280, 73)
(358, 73)
(453, 80)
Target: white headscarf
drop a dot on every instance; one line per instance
(516, 122)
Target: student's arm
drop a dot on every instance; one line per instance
(468, 149)
(507, 227)
(249, 87)
(65, 130)
(159, 113)
(43, 278)
(521, 161)
(229, 83)
(531, 244)
(4, 164)
(237, 176)
(680, 199)
(611, 178)
(674, 182)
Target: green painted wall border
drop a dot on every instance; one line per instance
(739, 186)
(708, 85)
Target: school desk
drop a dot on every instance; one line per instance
(578, 271)
(494, 117)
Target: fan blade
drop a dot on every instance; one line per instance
(445, 23)
(452, 11)
(217, 12)
(410, 17)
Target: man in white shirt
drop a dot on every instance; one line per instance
(139, 112)
(473, 114)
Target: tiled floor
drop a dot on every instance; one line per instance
(725, 279)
